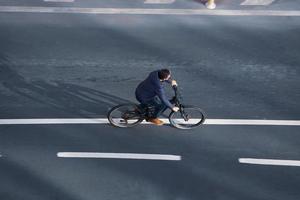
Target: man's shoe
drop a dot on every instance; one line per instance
(156, 121)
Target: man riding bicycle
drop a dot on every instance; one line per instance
(150, 93)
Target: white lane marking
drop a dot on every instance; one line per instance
(159, 1)
(257, 2)
(105, 121)
(136, 11)
(60, 1)
(118, 156)
(269, 162)
(54, 121)
(253, 122)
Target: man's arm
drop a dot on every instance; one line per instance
(161, 94)
(172, 82)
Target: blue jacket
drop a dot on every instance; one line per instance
(151, 87)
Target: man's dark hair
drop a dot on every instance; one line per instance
(163, 73)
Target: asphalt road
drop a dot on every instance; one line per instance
(80, 65)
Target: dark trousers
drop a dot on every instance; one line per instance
(155, 107)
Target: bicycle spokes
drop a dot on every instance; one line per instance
(126, 115)
(185, 116)
(188, 117)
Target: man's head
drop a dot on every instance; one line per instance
(164, 74)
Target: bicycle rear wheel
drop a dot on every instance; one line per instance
(124, 116)
(187, 118)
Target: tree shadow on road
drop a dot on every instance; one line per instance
(67, 97)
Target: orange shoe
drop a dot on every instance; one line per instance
(156, 121)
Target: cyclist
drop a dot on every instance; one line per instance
(150, 93)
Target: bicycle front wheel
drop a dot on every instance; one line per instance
(187, 117)
(125, 115)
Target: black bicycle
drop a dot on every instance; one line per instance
(129, 115)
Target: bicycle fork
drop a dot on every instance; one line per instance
(183, 114)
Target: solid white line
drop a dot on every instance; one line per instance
(54, 121)
(105, 121)
(257, 2)
(159, 1)
(137, 11)
(118, 156)
(253, 122)
(270, 162)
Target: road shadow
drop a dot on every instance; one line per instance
(70, 98)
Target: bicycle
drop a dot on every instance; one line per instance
(129, 115)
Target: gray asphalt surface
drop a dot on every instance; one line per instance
(79, 66)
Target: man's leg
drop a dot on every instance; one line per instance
(159, 108)
(162, 107)
(154, 110)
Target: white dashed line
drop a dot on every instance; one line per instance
(105, 121)
(118, 156)
(269, 162)
(60, 1)
(137, 11)
(257, 2)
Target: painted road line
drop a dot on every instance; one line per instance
(105, 121)
(118, 156)
(136, 11)
(270, 162)
(257, 2)
(60, 1)
(54, 121)
(253, 122)
(159, 1)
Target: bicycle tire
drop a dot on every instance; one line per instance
(115, 124)
(186, 124)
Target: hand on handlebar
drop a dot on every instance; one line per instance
(175, 109)
(173, 83)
